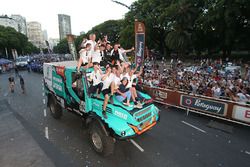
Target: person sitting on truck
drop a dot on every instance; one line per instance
(122, 94)
(130, 74)
(95, 78)
(108, 88)
(85, 57)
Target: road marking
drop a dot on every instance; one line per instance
(47, 132)
(247, 152)
(194, 127)
(44, 112)
(44, 101)
(43, 88)
(43, 94)
(136, 145)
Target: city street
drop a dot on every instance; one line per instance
(179, 140)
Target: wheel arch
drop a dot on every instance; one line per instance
(95, 118)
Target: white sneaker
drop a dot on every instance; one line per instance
(138, 106)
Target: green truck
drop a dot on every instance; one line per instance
(123, 122)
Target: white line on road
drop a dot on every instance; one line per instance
(47, 132)
(44, 101)
(43, 88)
(247, 152)
(44, 112)
(43, 94)
(136, 145)
(194, 127)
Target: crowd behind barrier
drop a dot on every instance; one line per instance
(212, 88)
(217, 79)
(220, 108)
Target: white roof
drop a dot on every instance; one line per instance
(64, 63)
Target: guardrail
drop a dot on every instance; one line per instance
(219, 108)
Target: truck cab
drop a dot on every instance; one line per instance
(68, 91)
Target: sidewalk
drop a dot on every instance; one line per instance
(18, 148)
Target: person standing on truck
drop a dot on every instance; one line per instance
(92, 42)
(108, 88)
(85, 57)
(117, 54)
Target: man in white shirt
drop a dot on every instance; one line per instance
(96, 78)
(96, 56)
(92, 42)
(84, 57)
(108, 88)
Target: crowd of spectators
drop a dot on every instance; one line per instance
(213, 78)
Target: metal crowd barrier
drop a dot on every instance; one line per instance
(219, 108)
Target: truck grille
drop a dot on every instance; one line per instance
(144, 117)
(142, 112)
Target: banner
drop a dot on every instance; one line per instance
(241, 113)
(204, 105)
(72, 48)
(139, 42)
(219, 108)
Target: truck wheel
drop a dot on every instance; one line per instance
(55, 108)
(102, 143)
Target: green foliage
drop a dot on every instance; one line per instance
(111, 28)
(62, 47)
(11, 39)
(181, 26)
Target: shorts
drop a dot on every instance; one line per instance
(84, 64)
(106, 91)
(96, 63)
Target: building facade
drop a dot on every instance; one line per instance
(64, 25)
(21, 21)
(35, 35)
(8, 22)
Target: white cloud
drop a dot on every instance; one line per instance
(84, 13)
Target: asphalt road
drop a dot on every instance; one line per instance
(177, 141)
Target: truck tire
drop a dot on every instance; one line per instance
(55, 108)
(101, 143)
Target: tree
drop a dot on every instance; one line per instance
(62, 47)
(183, 14)
(225, 24)
(111, 28)
(11, 39)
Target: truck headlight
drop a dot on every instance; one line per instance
(123, 133)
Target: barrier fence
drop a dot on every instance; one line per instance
(219, 108)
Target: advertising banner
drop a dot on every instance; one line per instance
(160, 95)
(139, 42)
(204, 105)
(241, 113)
(72, 48)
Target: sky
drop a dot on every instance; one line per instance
(84, 14)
